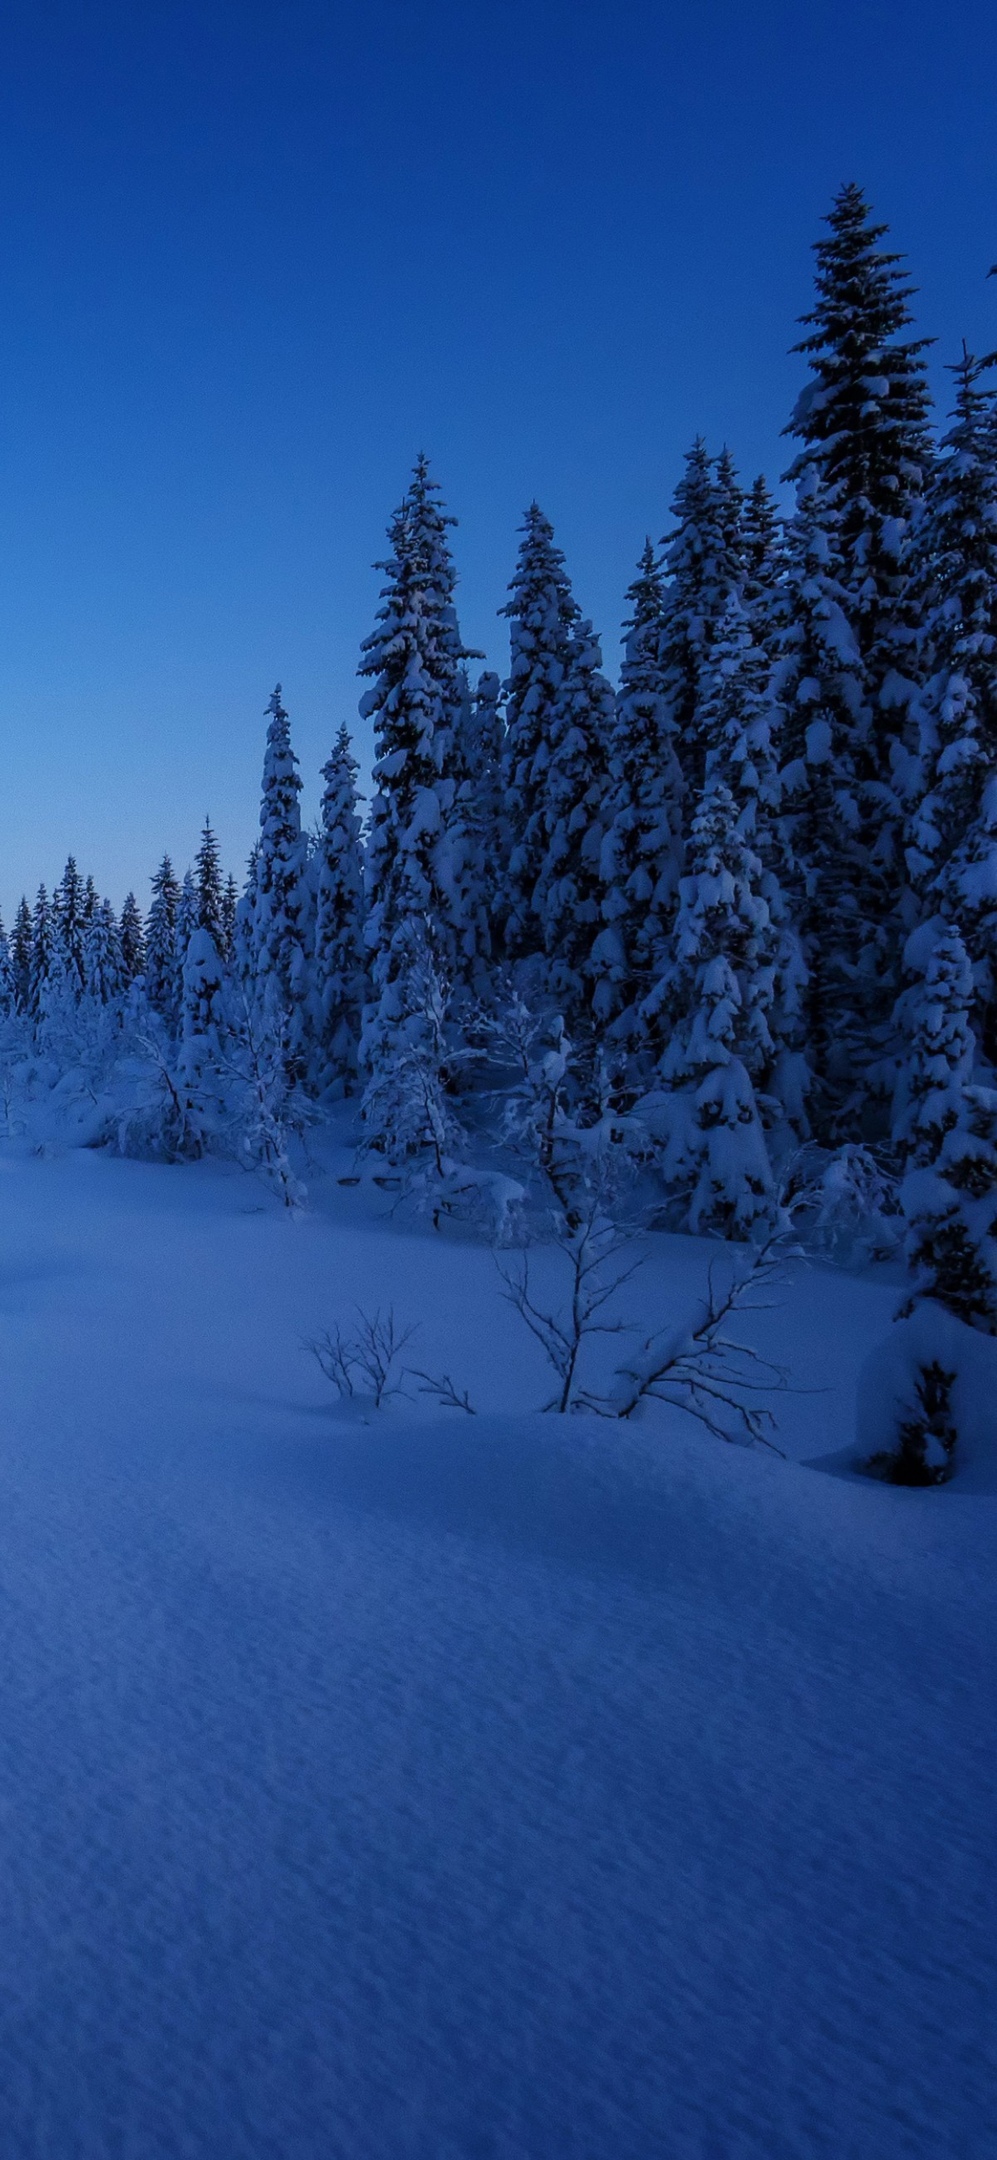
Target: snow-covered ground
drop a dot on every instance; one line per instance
(449, 1788)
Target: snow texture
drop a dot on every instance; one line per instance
(504, 1786)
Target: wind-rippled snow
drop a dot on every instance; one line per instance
(467, 1790)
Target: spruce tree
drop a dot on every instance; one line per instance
(281, 918)
(712, 1009)
(41, 950)
(736, 725)
(761, 553)
(703, 566)
(951, 851)
(483, 739)
(132, 936)
(862, 423)
(187, 920)
(209, 885)
(230, 910)
(103, 969)
(542, 615)
(72, 909)
(641, 854)
(21, 953)
(337, 971)
(8, 987)
(421, 902)
(161, 979)
(816, 693)
(567, 897)
(947, 1127)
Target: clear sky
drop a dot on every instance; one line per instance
(253, 256)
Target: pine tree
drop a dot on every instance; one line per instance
(703, 565)
(642, 850)
(161, 944)
(567, 898)
(21, 954)
(420, 885)
(337, 973)
(947, 1127)
(209, 886)
(712, 1008)
(132, 936)
(952, 847)
(281, 917)
(543, 615)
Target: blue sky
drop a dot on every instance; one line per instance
(254, 256)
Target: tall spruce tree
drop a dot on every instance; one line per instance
(641, 855)
(862, 423)
(132, 935)
(952, 846)
(422, 906)
(947, 1128)
(103, 970)
(337, 973)
(21, 950)
(567, 898)
(41, 950)
(72, 909)
(542, 615)
(483, 734)
(209, 884)
(816, 689)
(161, 980)
(703, 565)
(281, 915)
(736, 723)
(230, 910)
(8, 987)
(711, 1008)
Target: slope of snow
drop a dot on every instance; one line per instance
(462, 1788)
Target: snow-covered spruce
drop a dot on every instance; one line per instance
(542, 614)
(712, 1009)
(952, 828)
(641, 856)
(276, 951)
(703, 567)
(861, 422)
(337, 980)
(160, 967)
(424, 918)
(947, 1126)
(568, 893)
(816, 694)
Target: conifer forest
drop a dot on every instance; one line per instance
(714, 950)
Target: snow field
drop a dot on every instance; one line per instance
(441, 1787)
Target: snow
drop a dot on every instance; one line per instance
(447, 1786)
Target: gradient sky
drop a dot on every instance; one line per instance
(254, 256)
